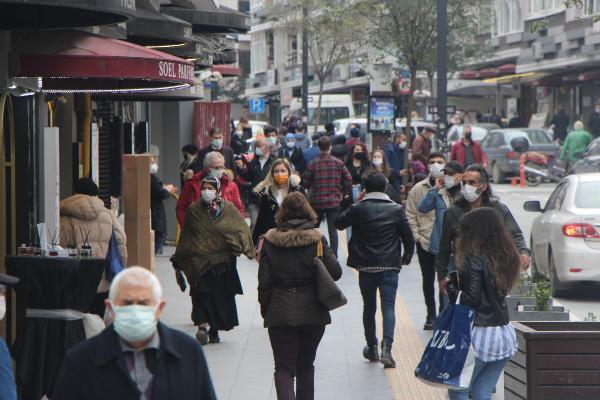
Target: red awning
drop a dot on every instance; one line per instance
(469, 74)
(70, 61)
(488, 72)
(227, 70)
(507, 69)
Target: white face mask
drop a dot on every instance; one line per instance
(208, 196)
(377, 162)
(216, 143)
(153, 168)
(435, 170)
(272, 140)
(2, 307)
(469, 193)
(448, 181)
(215, 173)
(290, 144)
(402, 145)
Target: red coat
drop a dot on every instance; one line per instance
(191, 193)
(457, 153)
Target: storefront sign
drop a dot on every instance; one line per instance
(171, 69)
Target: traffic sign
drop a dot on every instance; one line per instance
(403, 85)
(257, 105)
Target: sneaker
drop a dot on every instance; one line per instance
(202, 335)
(429, 322)
(371, 353)
(386, 356)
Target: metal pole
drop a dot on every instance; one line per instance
(442, 69)
(305, 65)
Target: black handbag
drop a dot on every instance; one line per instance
(328, 292)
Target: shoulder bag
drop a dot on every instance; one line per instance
(328, 292)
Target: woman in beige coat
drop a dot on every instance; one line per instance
(84, 214)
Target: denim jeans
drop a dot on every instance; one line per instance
(387, 283)
(330, 215)
(159, 241)
(485, 377)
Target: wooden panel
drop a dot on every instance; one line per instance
(517, 388)
(567, 361)
(516, 371)
(568, 377)
(567, 393)
(566, 346)
(519, 358)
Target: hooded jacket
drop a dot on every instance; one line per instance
(286, 276)
(191, 193)
(85, 214)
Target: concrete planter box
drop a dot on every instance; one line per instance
(555, 361)
(528, 313)
(513, 302)
(523, 291)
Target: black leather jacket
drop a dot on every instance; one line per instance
(379, 227)
(479, 292)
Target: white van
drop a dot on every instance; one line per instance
(333, 106)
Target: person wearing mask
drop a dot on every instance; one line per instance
(330, 129)
(421, 147)
(575, 144)
(476, 192)
(280, 181)
(254, 173)
(422, 228)
(158, 194)
(303, 141)
(287, 261)
(294, 155)
(137, 356)
(213, 235)
(395, 151)
(313, 152)
(338, 147)
(355, 139)
(8, 388)
(357, 164)
(272, 140)
(190, 164)
(467, 151)
(489, 266)
(82, 214)
(560, 123)
(214, 166)
(216, 144)
(594, 122)
(380, 165)
(329, 182)
(238, 144)
(379, 231)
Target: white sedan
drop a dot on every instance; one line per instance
(565, 239)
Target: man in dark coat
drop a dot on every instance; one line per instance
(379, 231)
(158, 194)
(136, 357)
(561, 124)
(216, 144)
(594, 122)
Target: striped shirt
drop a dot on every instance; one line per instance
(494, 343)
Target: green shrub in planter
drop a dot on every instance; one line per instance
(543, 291)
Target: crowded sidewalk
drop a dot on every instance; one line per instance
(242, 364)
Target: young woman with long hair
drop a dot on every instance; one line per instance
(488, 264)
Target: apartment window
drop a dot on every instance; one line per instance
(270, 49)
(543, 6)
(508, 17)
(292, 57)
(592, 6)
(258, 55)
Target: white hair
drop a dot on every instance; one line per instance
(210, 157)
(578, 125)
(139, 276)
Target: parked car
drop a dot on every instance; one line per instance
(343, 126)
(503, 161)
(591, 159)
(479, 132)
(565, 239)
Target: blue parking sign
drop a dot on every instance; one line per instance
(257, 105)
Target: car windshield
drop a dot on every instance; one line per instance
(588, 195)
(327, 114)
(594, 148)
(534, 136)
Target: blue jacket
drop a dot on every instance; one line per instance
(8, 390)
(310, 154)
(394, 156)
(437, 200)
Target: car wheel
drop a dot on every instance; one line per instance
(558, 288)
(497, 175)
(535, 272)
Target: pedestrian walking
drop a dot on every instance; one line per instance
(217, 144)
(575, 144)
(395, 152)
(467, 151)
(560, 123)
(329, 182)
(287, 295)
(357, 164)
(8, 388)
(380, 165)
(277, 185)
(272, 140)
(339, 149)
(293, 154)
(159, 192)
(254, 173)
(85, 220)
(137, 356)
(421, 147)
(238, 143)
(489, 266)
(379, 231)
(213, 235)
(312, 152)
(190, 164)
(330, 129)
(355, 139)
(476, 192)
(422, 227)
(594, 122)
(303, 140)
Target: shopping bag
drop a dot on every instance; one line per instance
(449, 359)
(114, 259)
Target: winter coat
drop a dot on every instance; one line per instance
(158, 194)
(238, 144)
(226, 152)
(421, 149)
(379, 229)
(295, 157)
(458, 153)
(255, 174)
(438, 200)
(96, 369)
(420, 223)
(191, 193)
(83, 214)
(575, 145)
(561, 123)
(269, 205)
(286, 276)
(394, 156)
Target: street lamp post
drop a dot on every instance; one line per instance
(304, 65)
(442, 68)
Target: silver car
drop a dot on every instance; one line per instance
(565, 239)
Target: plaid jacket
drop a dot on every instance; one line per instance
(328, 180)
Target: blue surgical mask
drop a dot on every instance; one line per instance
(215, 173)
(208, 196)
(216, 143)
(135, 323)
(272, 140)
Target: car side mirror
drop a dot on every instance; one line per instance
(532, 206)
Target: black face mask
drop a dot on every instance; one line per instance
(360, 156)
